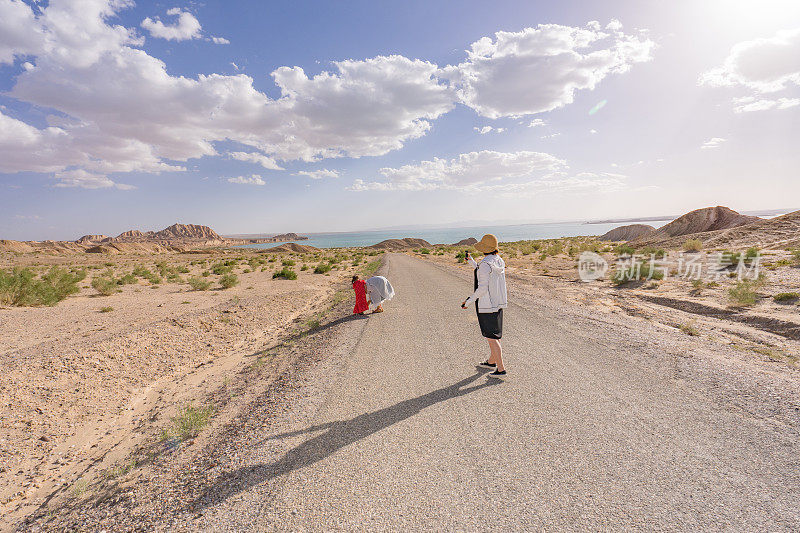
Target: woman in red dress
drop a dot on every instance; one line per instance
(360, 288)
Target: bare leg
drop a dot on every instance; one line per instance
(496, 354)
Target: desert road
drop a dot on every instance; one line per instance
(597, 426)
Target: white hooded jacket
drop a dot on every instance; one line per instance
(491, 292)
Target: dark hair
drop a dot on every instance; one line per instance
(355, 278)
(493, 253)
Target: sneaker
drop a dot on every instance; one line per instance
(498, 373)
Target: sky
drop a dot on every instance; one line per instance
(272, 116)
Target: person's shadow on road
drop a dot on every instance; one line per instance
(337, 435)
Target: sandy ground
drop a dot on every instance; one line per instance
(82, 388)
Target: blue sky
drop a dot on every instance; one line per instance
(116, 115)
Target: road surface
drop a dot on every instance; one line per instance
(594, 427)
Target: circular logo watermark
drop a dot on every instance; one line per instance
(591, 266)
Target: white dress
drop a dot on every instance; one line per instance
(379, 290)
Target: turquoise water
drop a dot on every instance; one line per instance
(451, 235)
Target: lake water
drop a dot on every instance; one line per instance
(517, 232)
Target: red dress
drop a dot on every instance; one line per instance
(360, 287)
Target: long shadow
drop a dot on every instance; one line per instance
(301, 334)
(337, 435)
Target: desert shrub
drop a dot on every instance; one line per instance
(689, 329)
(271, 260)
(796, 255)
(424, 251)
(20, 286)
(743, 294)
(636, 271)
(786, 297)
(106, 309)
(285, 273)
(199, 284)
(288, 263)
(182, 269)
(650, 251)
(189, 421)
(127, 279)
(205, 273)
(693, 245)
(173, 277)
(751, 254)
(304, 267)
(461, 256)
(105, 285)
(323, 268)
(229, 280)
(142, 272)
(624, 249)
(221, 269)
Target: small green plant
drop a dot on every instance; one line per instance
(304, 267)
(106, 309)
(127, 279)
(189, 421)
(624, 249)
(285, 273)
(689, 329)
(323, 268)
(743, 294)
(424, 251)
(104, 285)
(199, 284)
(786, 297)
(796, 255)
(288, 263)
(229, 280)
(693, 245)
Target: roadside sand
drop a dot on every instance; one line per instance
(82, 388)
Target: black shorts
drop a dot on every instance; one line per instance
(491, 324)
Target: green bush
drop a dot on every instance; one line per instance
(105, 285)
(424, 251)
(304, 267)
(624, 249)
(20, 287)
(693, 245)
(221, 269)
(786, 297)
(127, 279)
(107, 309)
(323, 268)
(285, 273)
(288, 263)
(229, 280)
(199, 284)
(743, 294)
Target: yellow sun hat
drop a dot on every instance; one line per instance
(487, 244)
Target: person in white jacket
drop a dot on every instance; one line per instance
(490, 299)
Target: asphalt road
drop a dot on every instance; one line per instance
(591, 429)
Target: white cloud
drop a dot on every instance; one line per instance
(220, 40)
(255, 157)
(592, 131)
(537, 122)
(714, 142)
(748, 104)
(186, 27)
(470, 171)
(763, 65)
(551, 136)
(488, 129)
(540, 69)
(318, 174)
(255, 179)
(119, 110)
(87, 180)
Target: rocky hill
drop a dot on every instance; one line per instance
(697, 221)
(466, 242)
(400, 244)
(627, 233)
(93, 239)
(187, 232)
(777, 233)
(133, 235)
